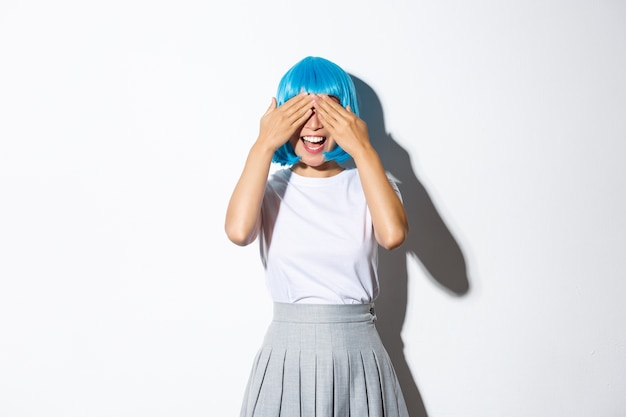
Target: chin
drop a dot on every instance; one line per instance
(317, 162)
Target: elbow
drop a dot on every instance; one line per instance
(239, 237)
(239, 232)
(393, 239)
(391, 244)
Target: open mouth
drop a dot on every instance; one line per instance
(313, 144)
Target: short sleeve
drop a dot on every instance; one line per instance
(394, 184)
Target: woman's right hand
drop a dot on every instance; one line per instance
(279, 124)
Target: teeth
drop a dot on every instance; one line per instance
(314, 139)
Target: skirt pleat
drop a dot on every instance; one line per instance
(324, 384)
(255, 381)
(290, 404)
(358, 389)
(270, 399)
(341, 383)
(373, 384)
(307, 370)
(322, 361)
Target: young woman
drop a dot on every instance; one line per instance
(319, 226)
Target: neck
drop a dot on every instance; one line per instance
(327, 169)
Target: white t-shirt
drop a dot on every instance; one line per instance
(317, 241)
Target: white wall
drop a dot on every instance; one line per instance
(124, 126)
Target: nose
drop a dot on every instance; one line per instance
(314, 122)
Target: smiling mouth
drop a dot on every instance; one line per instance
(313, 144)
(314, 139)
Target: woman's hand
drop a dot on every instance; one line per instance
(347, 129)
(279, 124)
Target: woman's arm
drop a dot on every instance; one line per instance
(243, 214)
(350, 132)
(278, 124)
(388, 216)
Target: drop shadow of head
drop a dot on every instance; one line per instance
(429, 242)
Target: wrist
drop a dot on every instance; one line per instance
(363, 153)
(262, 146)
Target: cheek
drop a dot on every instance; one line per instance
(294, 141)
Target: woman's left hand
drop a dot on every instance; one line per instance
(347, 129)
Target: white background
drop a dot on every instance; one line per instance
(125, 124)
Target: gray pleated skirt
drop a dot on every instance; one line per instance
(323, 361)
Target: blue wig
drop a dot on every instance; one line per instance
(316, 76)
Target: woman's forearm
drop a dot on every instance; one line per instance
(388, 215)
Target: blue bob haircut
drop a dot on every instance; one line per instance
(315, 75)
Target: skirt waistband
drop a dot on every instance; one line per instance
(324, 313)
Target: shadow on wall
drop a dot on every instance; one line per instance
(429, 241)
